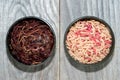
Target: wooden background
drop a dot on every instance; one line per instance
(59, 13)
(10, 11)
(108, 10)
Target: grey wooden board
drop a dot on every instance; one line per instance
(12, 10)
(108, 10)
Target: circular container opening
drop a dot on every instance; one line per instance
(31, 41)
(89, 41)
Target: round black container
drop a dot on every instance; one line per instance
(33, 67)
(95, 66)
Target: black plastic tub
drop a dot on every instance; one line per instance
(94, 66)
(20, 65)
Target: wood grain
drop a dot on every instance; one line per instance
(12, 10)
(107, 10)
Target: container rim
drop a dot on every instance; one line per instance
(26, 18)
(85, 18)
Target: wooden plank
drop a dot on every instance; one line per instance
(108, 10)
(10, 11)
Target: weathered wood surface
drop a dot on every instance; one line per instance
(59, 68)
(108, 10)
(12, 10)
